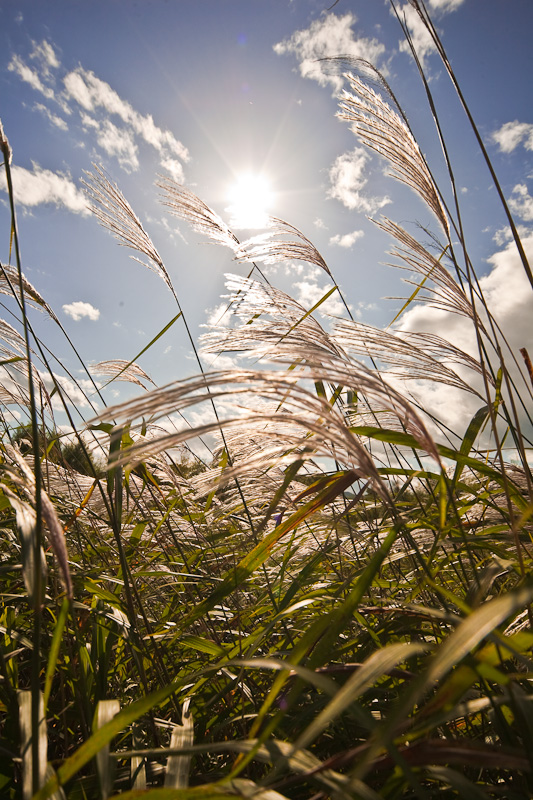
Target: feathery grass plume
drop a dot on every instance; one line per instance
(9, 285)
(268, 316)
(366, 71)
(410, 356)
(121, 370)
(381, 129)
(446, 293)
(431, 30)
(115, 214)
(186, 205)
(273, 246)
(14, 369)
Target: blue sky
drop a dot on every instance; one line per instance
(209, 91)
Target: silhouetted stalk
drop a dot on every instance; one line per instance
(37, 534)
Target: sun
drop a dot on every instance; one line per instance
(251, 199)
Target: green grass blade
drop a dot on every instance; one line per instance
(54, 649)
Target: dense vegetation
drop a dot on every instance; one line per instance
(336, 603)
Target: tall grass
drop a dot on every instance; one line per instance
(337, 601)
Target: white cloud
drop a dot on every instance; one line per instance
(521, 202)
(219, 316)
(329, 36)
(347, 181)
(38, 186)
(420, 35)
(80, 309)
(76, 392)
(319, 223)
(173, 166)
(54, 118)
(510, 135)
(117, 125)
(346, 240)
(90, 92)
(445, 6)
(308, 293)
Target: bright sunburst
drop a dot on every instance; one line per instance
(251, 200)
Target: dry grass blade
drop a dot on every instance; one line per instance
(28, 741)
(186, 205)
(273, 246)
(178, 766)
(379, 127)
(116, 215)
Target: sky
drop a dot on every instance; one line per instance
(221, 95)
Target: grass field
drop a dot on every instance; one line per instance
(335, 601)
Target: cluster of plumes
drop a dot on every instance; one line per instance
(281, 242)
(272, 326)
(302, 409)
(443, 292)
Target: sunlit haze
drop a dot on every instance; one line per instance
(251, 202)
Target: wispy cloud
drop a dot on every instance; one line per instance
(40, 186)
(45, 55)
(445, 6)
(346, 240)
(55, 119)
(29, 75)
(510, 135)
(115, 126)
(347, 181)
(92, 93)
(330, 36)
(79, 309)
